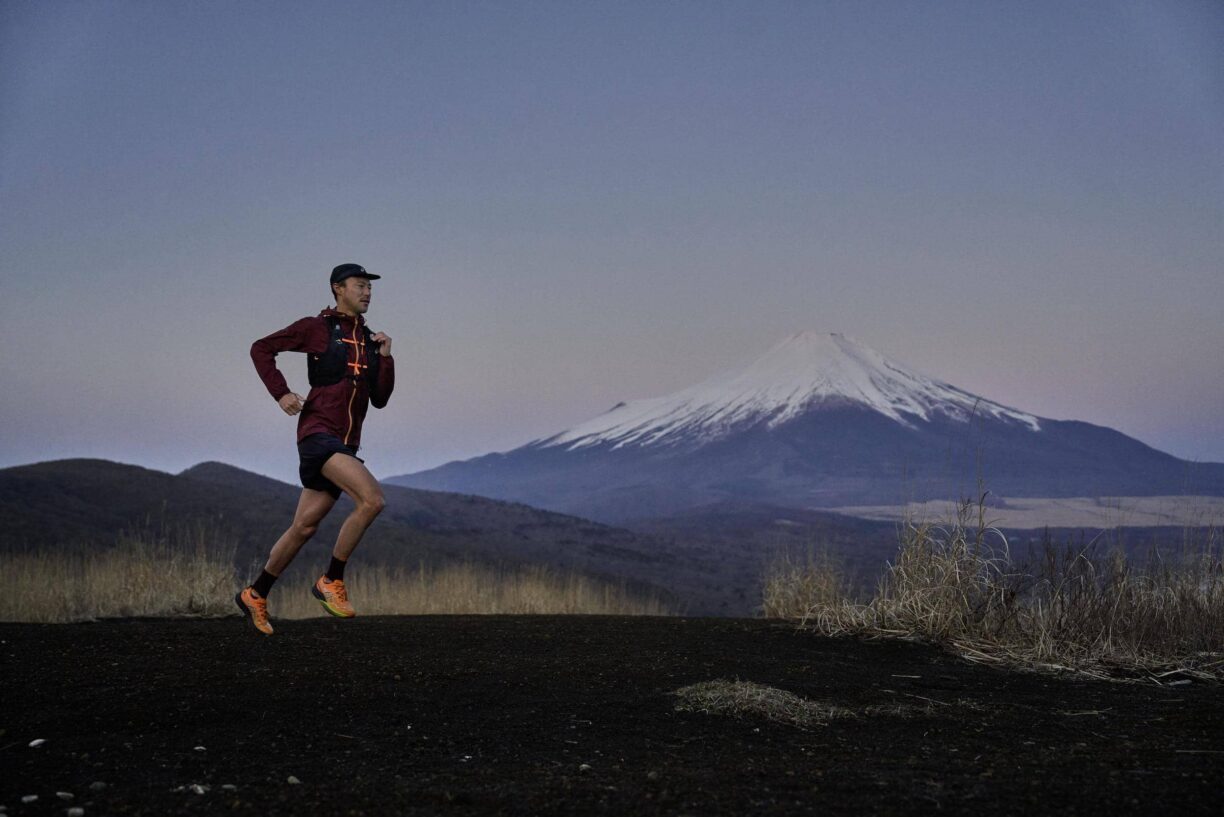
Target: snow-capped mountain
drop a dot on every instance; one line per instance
(804, 371)
(818, 420)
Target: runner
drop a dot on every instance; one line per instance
(345, 376)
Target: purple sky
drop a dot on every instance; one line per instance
(574, 204)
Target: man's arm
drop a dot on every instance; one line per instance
(296, 337)
(380, 390)
(381, 393)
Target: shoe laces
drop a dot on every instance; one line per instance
(260, 607)
(338, 588)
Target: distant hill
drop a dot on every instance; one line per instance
(87, 503)
(818, 421)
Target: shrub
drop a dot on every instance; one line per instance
(958, 585)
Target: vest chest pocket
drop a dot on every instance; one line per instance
(344, 358)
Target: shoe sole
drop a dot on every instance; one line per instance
(246, 612)
(314, 591)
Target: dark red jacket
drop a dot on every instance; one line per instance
(337, 409)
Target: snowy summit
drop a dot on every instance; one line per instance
(805, 371)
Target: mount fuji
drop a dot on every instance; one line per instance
(804, 371)
(817, 421)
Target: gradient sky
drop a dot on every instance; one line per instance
(574, 204)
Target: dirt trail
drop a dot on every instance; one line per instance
(569, 715)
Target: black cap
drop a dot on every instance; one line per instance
(349, 271)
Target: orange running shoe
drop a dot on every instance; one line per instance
(333, 596)
(255, 608)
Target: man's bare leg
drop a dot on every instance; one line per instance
(351, 475)
(252, 600)
(312, 507)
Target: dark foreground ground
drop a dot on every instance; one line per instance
(499, 714)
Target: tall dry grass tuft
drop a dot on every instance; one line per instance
(1063, 608)
(188, 571)
(806, 588)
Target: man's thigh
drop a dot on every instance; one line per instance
(352, 476)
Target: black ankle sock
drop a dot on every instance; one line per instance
(263, 585)
(336, 569)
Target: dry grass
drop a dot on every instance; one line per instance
(815, 590)
(748, 698)
(739, 698)
(1069, 608)
(189, 571)
(182, 572)
(462, 588)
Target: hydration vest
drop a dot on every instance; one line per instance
(344, 358)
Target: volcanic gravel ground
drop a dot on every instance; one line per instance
(570, 715)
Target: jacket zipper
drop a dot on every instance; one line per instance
(356, 359)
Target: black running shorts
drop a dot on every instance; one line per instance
(313, 451)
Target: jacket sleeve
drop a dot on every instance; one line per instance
(381, 392)
(296, 337)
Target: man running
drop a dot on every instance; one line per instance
(346, 374)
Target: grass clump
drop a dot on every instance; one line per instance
(740, 698)
(1063, 608)
(748, 698)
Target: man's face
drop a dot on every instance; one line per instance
(354, 293)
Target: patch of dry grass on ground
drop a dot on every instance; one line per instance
(1067, 609)
(189, 572)
(740, 698)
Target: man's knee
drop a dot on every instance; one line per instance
(373, 504)
(305, 530)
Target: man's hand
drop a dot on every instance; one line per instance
(292, 403)
(384, 341)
